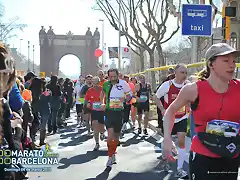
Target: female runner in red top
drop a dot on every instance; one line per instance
(215, 102)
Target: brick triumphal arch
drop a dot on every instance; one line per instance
(53, 47)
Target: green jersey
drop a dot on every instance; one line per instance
(115, 94)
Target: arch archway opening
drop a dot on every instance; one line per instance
(70, 66)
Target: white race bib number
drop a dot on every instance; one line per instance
(223, 128)
(116, 103)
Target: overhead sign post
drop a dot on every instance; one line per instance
(196, 20)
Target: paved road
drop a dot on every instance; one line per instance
(137, 158)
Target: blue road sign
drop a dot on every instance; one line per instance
(196, 20)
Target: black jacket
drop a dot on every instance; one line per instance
(7, 129)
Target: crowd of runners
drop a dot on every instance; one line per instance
(108, 102)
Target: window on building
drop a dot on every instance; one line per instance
(233, 40)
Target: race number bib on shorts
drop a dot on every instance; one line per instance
(223, 128)
(96, 106)
(143, 98)
(116, 103)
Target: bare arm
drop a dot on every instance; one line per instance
(187, 95)
(161, 92)
(158, 103)
(102, 97)
(137, 87)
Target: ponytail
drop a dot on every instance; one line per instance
(205, 73)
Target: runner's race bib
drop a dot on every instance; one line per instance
(222, 138)
(223, 128)
(96, 106)
(143, 98)
(116, 103)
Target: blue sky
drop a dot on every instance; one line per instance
(62, 15)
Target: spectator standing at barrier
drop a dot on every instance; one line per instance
(45, 111)
(54, 103)
(28, 79)
(60, 116)
(36, 88)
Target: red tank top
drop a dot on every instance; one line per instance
(172, 95)
(213, 105)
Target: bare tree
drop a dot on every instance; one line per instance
(178, 53)
(110, 8)
(143, 24)
(9, 29)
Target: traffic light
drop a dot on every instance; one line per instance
(230, 11)
(227, 13)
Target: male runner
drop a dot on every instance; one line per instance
(79, 101)
(115, 91)
(127, 106)
(102, 81)
(143, 90)
(101, 76)
(86, 111)
(170, 90)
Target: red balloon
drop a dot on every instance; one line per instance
(126, 49)
(98, 53)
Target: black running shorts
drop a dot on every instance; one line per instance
(207, 168)
(114, 120)
(142, 107)
(98, 115)
(180, 126)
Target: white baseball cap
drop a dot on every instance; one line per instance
(220, 49)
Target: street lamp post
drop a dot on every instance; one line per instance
(103, 47)
(119, 37)
(20, 48)
(28, 56)
(33, 57)
(194, 58)
(123, 66)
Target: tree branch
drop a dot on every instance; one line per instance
(173, 33)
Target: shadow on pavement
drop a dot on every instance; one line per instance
(132, 141)
(69, 128)
(80, 159)
(73, 134)
(137, 139)
(77, 140)
(155, 173)
(136, 176)
(102, 176)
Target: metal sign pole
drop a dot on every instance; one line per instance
(194, 58)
